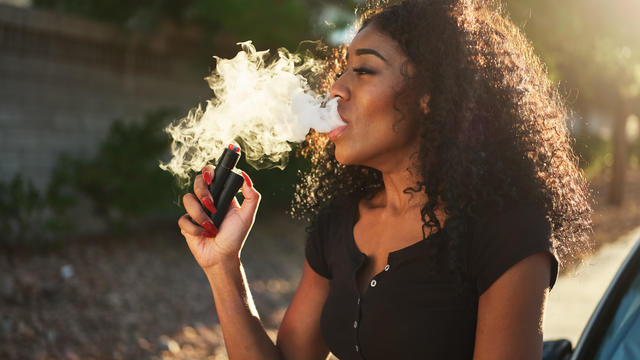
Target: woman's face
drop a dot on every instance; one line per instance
(379, 132)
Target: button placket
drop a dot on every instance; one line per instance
(356, 324)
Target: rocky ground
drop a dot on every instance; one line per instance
(139, 297)
(143, 296)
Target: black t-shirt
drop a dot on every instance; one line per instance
(405, 313)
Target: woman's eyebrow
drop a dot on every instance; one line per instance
(366, 51)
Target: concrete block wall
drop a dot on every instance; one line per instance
(64, 80)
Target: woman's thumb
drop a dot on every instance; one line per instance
(251, 197)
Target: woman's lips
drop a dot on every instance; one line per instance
(333, 134)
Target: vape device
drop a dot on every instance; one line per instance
(226, 183)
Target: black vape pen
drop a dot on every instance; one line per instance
(226, 183)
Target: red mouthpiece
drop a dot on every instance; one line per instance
(234, 148)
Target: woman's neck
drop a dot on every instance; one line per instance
(393, 200)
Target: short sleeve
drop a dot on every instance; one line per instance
(316, 246)
(507, 238)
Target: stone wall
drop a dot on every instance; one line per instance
(64, 80)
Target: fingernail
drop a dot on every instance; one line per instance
(209, 205)
(246, 179)
(207, 234)
(207, 177)
(210, 226)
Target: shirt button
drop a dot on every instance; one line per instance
(373, 283)
(355, 324)
(386, 268)
(356, 347)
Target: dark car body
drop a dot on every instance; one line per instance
(613, 331)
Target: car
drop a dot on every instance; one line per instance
(613, 330)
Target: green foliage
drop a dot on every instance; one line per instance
(282, 23)
(274, 24)
(593, 151)
(594, 47)
(269, 23)
(596, 153)
(20, 211)
(122, 183)
(123, 180)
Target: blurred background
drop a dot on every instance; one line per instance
(93, 265)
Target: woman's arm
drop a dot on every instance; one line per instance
(299, 336)
(244, 335)
(218, 253)
(510, 312)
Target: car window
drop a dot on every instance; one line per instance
(621, 339)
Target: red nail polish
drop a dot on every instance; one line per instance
(211, 228)
(207, 177)
(207, 234)
(209, 205)
(246, 179)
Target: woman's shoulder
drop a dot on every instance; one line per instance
(329, 227)
(338, 211)
(506, 235)
(511, 222)
(501, 213)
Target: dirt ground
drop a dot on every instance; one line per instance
(140, 297)
(144, 297)
(610, 222)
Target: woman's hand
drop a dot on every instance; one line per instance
(211, 246)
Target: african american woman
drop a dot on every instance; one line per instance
(441, 213)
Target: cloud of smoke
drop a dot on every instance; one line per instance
(260, 104)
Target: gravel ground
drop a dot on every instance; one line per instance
(144, 297)
(141, 297)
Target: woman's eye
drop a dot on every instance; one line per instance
(358, 70)
(362, 71)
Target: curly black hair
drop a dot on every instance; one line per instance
(496, 130)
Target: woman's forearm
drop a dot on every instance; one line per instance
(244, 335)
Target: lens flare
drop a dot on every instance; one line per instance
(261, 104)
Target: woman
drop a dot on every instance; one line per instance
(441, 212)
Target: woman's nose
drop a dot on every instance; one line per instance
(340, 89)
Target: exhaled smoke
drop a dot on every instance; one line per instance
(262, 106)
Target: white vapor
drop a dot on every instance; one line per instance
(263, 107)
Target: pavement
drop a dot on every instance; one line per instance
(575, 295)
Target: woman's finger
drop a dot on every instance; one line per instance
(208, 174)
(196, 212)
(234, 204)
(251, 198)
(201, 189)
(187, 227)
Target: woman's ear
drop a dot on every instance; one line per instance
(424, 103)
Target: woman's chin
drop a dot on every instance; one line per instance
(345, 157)
(341, 157)
(341, 160)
